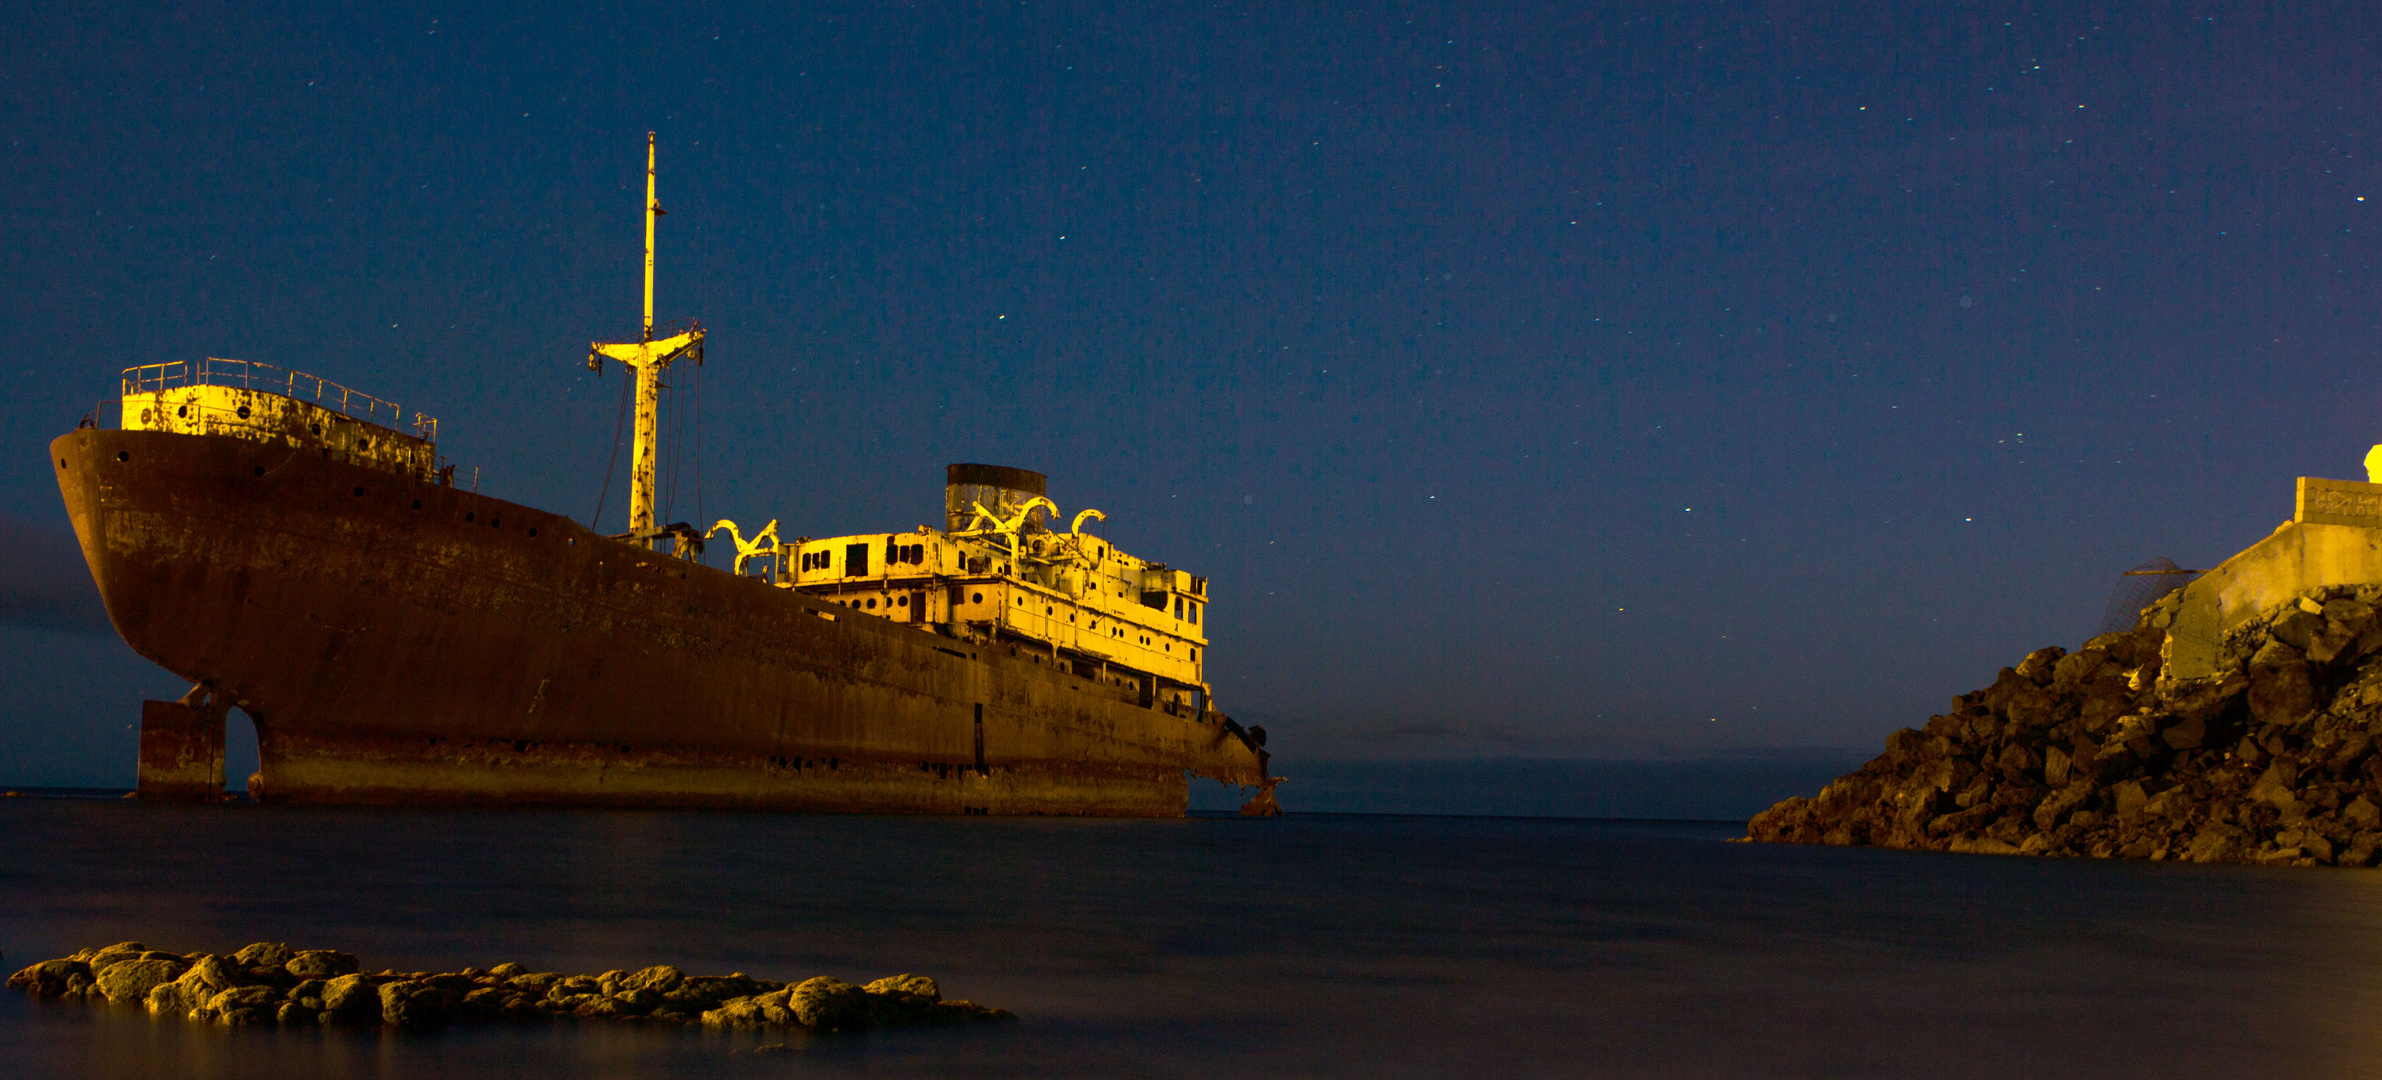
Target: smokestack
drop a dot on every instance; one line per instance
(999, 487)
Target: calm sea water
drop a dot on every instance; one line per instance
(1317, 946)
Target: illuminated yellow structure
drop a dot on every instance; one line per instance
(997, 573)
(263, 403)
(649, 358)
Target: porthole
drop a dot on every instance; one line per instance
(872, 603)
(243, 412)
(471, 517)
(365, 444)
(979, 596)
(259, 470)
(318, 429)
(417, 504)
(904, 601)
(124, 455)
(183, 412)
(570, 541)
(359, 493)
(495, 522)
(533, 530)
(61, 463)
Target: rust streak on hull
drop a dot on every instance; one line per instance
(396, 640)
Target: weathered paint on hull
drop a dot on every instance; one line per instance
(400, 641)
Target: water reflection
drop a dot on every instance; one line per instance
(1307, 946)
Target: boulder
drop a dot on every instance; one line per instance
(2041, 665)
(174, 999)
(661, 979)
(268, 954)
(735, 1013)
(130, 981)
(412, 1003)
(2058, 804)
(240, 1005)
(52, 978)
(829, 1004)
(2216, 842)
(319, 964)
(214, 974)
(115, 954)
(351, 997)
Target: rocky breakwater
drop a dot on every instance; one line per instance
(2270, 760)
(268, 983)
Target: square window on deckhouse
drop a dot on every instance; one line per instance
(856, 560)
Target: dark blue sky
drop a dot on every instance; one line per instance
(1568, 380)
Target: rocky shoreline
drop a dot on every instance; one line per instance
(270, 983)
(2271, 760)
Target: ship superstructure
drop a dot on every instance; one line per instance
(998, 573)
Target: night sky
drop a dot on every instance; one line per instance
(1565, 381)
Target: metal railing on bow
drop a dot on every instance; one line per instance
(249, 375)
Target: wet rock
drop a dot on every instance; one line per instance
(131, 981)
(240, 1005)
(225, 990)
(351, 997)
(265, 954)
(173, 999)
(911, 985)
(118, 953)
(319, 964)
(483, 1003)
(214, 974)
(661, 979)
(829, 1004)
(50, 978)
(412, 1003)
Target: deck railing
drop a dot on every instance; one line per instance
(249, 375)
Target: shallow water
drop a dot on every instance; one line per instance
(1328, 946)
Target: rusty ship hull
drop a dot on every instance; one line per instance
(399, 640)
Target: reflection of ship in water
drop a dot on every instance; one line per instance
(282, 543)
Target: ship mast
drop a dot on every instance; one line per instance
(648, 358)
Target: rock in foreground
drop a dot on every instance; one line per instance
(269, 983)
(2271, 760)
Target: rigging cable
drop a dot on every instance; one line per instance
(669, 493)
(628, 388)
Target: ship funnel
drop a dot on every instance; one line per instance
(1001, 489)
